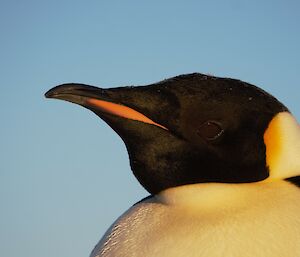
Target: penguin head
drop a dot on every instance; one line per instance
(196, 128)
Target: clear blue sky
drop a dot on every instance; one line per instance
(64, 174)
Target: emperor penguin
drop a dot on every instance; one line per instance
(220, 158)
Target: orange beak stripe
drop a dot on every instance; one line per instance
(121, 111)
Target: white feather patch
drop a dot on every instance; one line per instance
(216, 220)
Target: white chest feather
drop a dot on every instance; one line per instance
(212, 220)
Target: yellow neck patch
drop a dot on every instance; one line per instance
(282, 140)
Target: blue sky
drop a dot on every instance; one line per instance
(64, 174)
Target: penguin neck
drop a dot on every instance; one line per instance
(212, 196)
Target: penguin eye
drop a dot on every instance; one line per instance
(210, 130)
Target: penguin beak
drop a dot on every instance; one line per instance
(104, 102)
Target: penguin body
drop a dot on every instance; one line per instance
(220, 158)
(258, 219)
